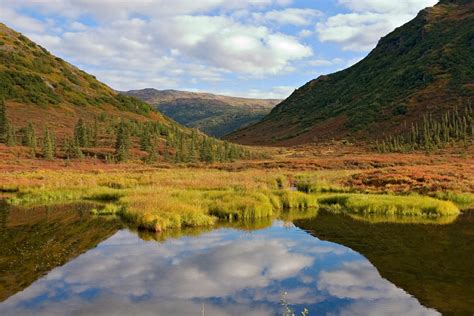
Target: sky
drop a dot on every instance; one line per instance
(249, 48)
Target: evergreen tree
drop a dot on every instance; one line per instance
(72, 148)
(29, 138)
(146, 139)
(81, 133)
(152, 155)
(3, 120)
(94, 137)
(49, 146)
(206, 152)
(10, 139)
(122, 143)
(432, 133)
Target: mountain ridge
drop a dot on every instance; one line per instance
(50, 104)
(215, 115)
(424, 66)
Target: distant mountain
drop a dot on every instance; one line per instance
(423, 67)
(215, 115)
(43, 91)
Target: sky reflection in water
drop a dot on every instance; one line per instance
(224, 272)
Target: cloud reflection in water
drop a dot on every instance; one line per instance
(226, 272)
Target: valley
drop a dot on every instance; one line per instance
(215, 115)
(353, 196)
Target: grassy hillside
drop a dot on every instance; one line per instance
(59, 111)
(425, 66)
(215, 115)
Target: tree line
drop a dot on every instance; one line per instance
(171, 143)
(433, 133)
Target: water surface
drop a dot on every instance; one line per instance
(240, 271)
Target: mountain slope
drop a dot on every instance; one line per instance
(216, 115)
(46, 90)
(424, 66)
(63, 103)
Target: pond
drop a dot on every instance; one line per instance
(62, 261)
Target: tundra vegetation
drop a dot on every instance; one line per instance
(159, 200)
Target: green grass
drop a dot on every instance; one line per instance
(46, 196)
(163, 200)
(462, 200)
(296, 200)
(390, 204)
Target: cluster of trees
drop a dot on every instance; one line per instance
(432, 134)
(171, 142)
(193, 147)
(10, 136)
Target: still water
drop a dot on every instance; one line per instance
(69, 263)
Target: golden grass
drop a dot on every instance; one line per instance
(158, 200)
(390, 204)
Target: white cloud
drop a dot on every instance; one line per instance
(166, 44)
(369, 21)
(305, 33)
(25, 23)
(108, 10)
(293, 16)
(372, 295)
(404, 6)
(225, 43)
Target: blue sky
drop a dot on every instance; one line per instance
(252, 48)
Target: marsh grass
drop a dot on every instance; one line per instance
(390, 204)
(296, 200)
(181, 198)
(107, 209)
(48, 196)
(463, 200)
(322, 182)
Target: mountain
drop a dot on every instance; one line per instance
(425, 67)
(216, 115)
(47, 97)
(45, 89)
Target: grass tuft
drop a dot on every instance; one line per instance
(391, 204)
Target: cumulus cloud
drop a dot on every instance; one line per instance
(405, 6)
(373, 295)
(12, 18)
(164, 44)
(370, 20)
(229, 44)
(217, 44)
(107, 10)
(293, 16)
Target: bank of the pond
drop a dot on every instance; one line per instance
(165, 199)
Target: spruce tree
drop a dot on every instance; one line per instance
(29, 138)
(81, 134)
(49, 147)
(122, 143)
(152, 155)
(72, 148)
(10, 139)
(145, 139)
(94, 137)
(3, 120)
